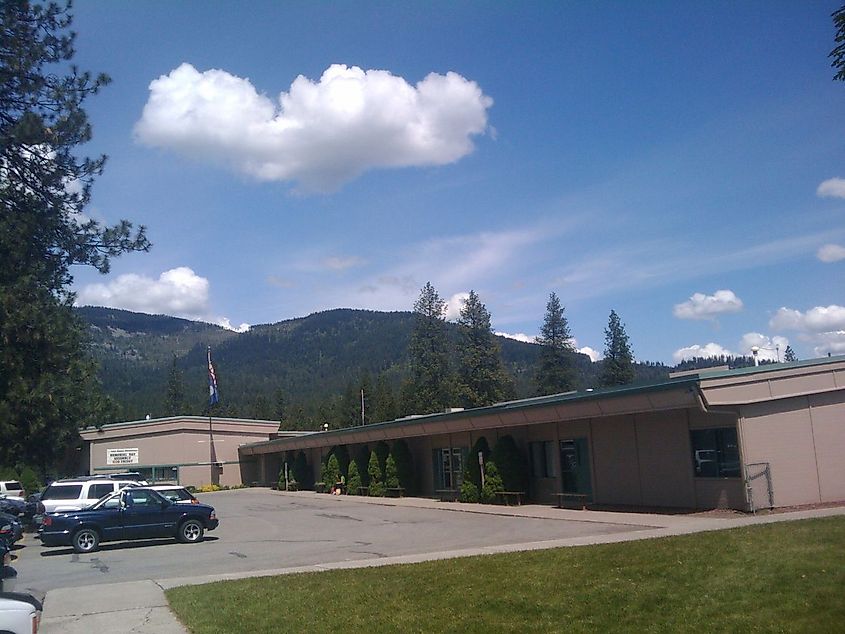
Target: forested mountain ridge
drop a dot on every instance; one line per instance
(314, 364)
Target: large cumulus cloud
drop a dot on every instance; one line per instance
(320, 133)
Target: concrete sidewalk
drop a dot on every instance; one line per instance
(140, 606)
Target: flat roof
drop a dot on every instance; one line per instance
(167, 419)
(687, 382)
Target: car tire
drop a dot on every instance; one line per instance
(86, 540)
(191, 532)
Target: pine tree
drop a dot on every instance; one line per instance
(838, 53)
(555, 373)
(280, 405)
(175, 390)
(482, 379)
(47, 382)
(789, 355)
(353, 483)
(428, 388)
(618, 363)
(384, 407)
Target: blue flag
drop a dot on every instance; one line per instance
(213, 394)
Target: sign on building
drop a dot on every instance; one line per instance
(122, 456)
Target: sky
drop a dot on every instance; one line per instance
(680, 163)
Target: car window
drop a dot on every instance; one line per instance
(141, 497)
(174, 495)
(96, 491)
(62, 492)
(13, 486)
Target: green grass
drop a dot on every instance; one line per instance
(786, 577)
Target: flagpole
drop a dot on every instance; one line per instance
(212, 399)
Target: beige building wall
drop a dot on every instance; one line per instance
(615, 461)
(827, 412)
(781, 433)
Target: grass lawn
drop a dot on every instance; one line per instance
(786, 577)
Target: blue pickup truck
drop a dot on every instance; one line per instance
(132, 513)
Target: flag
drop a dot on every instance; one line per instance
(213, 394)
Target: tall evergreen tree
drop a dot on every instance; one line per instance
(838, 53)
(384, 407)
(482, 379)
(280, 405)
(175, 390)
(618, 363)
(429, 386)
(555, 372)
(789, 354)
(47, 384)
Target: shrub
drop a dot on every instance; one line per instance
(469, 492)
(376, 484)
(404, 466)
(391, 475)
(492, 483)
(511, 463)
(354, 480)
(330, 471)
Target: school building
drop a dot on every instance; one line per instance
(768, 436)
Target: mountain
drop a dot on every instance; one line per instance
(316, 362)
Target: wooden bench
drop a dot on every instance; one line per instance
(395, 492)
(507, 496)
(447, 495)
(575, 500)
(320, 487)
(363, 490)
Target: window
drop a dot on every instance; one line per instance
(448, 467)
(542, 459)
(715, 453)
(99, 490)
(62, 492)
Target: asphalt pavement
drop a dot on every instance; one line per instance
(140, 606)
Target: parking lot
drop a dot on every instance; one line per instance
(262, 529)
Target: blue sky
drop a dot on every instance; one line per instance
(678, 162)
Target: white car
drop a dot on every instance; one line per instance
(75, 495)
(19, 613)
(175, 493)
(12, 489)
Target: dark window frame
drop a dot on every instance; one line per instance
(715, 452)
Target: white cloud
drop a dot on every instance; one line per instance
(454, 306)
(179, 292)
(832, 188)
(701, 306)
(322, 133)
(594, 355)
(706, 351)
(816, 320)
(823, 326)
(831, 253)
(517, 336)
(337, 263)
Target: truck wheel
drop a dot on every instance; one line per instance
(191, 531)
(86, 540)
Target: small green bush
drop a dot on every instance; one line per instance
(354, 480)
(374, 470)
(469, 492)
(472, 467)
(391, 475)
(492, 483)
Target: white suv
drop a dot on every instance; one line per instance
(74, 495)
(12, 489)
